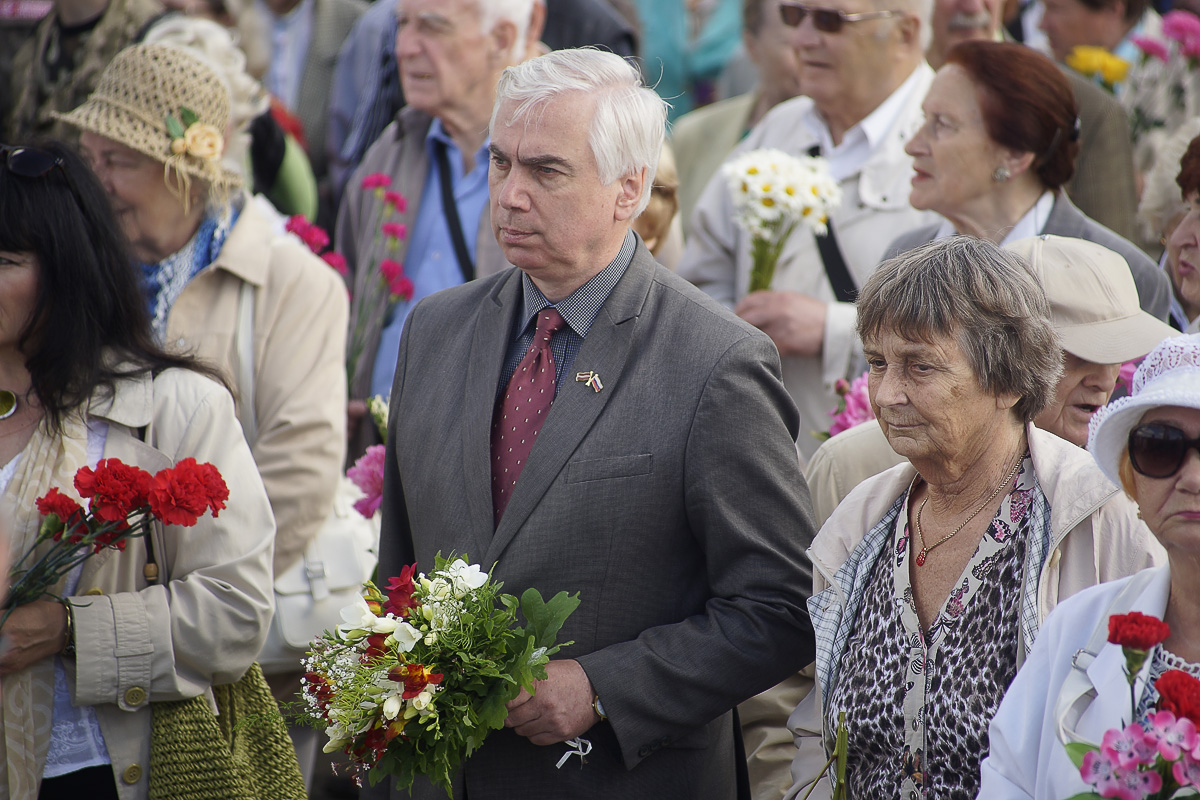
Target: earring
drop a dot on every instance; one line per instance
(1139, 513)
(1001, 174)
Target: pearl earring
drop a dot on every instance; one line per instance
(1001, 174)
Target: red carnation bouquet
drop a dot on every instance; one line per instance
(1159, 758)
(123, 502)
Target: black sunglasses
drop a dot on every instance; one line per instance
(1158, 451)
(827, 20)
(29, 162)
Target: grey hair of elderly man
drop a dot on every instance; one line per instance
(982, 295)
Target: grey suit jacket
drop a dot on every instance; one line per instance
(671, 500)
(1154, 289)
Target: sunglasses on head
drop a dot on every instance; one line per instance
(28, 162)
(1157, 450)
(827, 20)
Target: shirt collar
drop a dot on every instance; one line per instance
(437, 133)
(874, 126)
(579, 310)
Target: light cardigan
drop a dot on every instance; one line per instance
(1026, 759)
(1095, 537)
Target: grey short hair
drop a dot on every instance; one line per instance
(629, 120)
(517, 12)
(984, 296)
(921, 9)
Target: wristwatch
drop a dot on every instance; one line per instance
(69, 648)
(598, 707)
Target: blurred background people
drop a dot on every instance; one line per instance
(81, 677)
(944, 567)
(1098, 23)
(685, 46)
(999, 142)
(1169, 207)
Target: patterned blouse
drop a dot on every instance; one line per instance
(918, 703)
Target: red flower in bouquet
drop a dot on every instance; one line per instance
(1137, 631)
(180, 495)
(394, 230)
(415, 678)
(400, 592)
(64, 510)
(1179, 693)
(312, 235)
(376, 180)
(396, 201)
(337, 261)
(115, 489)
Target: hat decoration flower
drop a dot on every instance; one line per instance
(773, 193)
(191, 138)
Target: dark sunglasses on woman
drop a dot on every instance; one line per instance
(28, 162)
(827, 20)
(1157, 450)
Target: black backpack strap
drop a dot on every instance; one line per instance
(831, 256)
(450, 209)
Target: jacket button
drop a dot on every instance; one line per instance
(135, 696)
(132, 774)
(93, 592)
(645, 751)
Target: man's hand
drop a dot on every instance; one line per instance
(32, 632)
(794, 321)
(560, 710)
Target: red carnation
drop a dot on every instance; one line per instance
(1137, 631)
(337, 261)
(394, 230)
(1179, 693)
(55, 502)
(396, 200)
(184, 492)
(115, 489)
(376, 180)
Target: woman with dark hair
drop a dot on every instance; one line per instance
(87, 382)
(998, 143)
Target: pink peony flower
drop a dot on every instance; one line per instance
(376, 180)
(1128, 747)
(394, 230)
(337, 261)
(1151, 47)
(1169, 735)
(858, 405)
(396, 201)
(367, 474)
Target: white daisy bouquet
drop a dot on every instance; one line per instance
(415, 679)
(773, 192)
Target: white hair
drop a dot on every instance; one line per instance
(518, 12)
(1162, 198)
(921, 9)
(629, 120)
(215, 46)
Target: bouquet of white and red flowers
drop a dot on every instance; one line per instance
(123, 502)
(1160, 758)
(414, 680)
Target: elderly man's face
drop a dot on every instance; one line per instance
(550, 213)
(929, 402)
(851, 65)
(957, 21)
(447, 62)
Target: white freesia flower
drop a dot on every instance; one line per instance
(465, 577)
(357, 617)
(405, 636)
(393, 706)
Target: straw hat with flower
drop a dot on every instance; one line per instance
(169, 104)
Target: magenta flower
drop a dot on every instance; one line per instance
(1110, 780)
(1151, 47)
(858, 405)
(396, 201)
(1169, 735)
(337, 261)
(1125, 376)
(394, 230)
(367, 474)
(1186, 771)
(1180, 26)
(1129, 747)
(376, 180)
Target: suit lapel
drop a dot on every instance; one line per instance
(604, 351)
(489, 346)
(1065, 219)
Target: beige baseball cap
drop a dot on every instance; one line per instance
(1093, 299)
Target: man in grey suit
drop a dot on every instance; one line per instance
(663, 483)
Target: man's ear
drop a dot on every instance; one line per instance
(631, 194)
(503, 37)
(908, 27)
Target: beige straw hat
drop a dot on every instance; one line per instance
(169, 104)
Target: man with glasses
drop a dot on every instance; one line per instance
(864, 74)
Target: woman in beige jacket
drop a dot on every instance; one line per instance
(87, 382)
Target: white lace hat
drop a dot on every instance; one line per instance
(1170, 376)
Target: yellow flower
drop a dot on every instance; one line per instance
(1087, 60)
(203, 141)
(1114, 69)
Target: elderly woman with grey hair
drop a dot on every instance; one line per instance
(931, 579)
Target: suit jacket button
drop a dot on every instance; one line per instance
(132, 774)
(645, 751)
(135, 696)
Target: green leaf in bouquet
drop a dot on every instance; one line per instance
(544, 620)
(1076, 751)
(1085, 796)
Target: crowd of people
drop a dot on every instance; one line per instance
(225, 227)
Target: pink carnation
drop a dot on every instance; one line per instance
(858, 406)
(337, 261)
(401, 287)
(394, 230)
(312, 235)
(1182, 26)
(376, 180)
(367, 474)
(396, 200)
(1151, 47)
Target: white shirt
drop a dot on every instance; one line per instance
(1029, 225)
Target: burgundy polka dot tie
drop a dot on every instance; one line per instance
(522, 410)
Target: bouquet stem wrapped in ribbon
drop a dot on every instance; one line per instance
(774, 192)
(414, 681)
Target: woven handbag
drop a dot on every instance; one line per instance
(242, 753)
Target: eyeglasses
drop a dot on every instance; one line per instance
(1158, 451)
(827, 20)
(29, 162)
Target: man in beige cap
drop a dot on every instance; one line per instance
(1094, 308)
